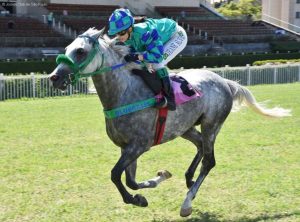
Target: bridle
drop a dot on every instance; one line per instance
(77, 68)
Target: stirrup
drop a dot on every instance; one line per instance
(162, 103)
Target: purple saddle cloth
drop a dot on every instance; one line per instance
(183, 90)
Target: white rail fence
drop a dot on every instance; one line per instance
(36, 86)
(39, 86)
(268, 74)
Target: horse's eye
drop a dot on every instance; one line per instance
(80, 51)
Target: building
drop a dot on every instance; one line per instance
(282, 13)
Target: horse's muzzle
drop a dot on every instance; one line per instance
(58, 82)
(53, 77)
(59, 78)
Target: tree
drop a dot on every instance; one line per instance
(242, 9)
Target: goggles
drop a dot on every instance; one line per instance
(124, 32)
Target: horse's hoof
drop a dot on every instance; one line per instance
(185, 212)
(140, 201)
(164, 173)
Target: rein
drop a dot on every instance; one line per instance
(77, 68)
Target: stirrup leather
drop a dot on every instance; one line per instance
(162, 103)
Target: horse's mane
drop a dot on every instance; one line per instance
(112, 43)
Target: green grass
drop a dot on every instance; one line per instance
(56, 160)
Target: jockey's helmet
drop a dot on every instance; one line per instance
(120, 20)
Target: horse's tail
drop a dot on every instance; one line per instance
(243, 95)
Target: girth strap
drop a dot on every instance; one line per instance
(160, 125)
(130, 108)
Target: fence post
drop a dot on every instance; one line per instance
(248, 75)
(2, 85)
(225, 70)
(33, 84)
(72, 89)
(299, 73)
(275, 75)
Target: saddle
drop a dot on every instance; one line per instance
(183, 90)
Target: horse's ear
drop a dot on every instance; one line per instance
(103, 30)
(99, 33)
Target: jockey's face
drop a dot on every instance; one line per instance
(124, 35)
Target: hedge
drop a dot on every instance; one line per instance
(25, 67)
(223, 60)
(276, 61)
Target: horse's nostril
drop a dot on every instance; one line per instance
(54, 78)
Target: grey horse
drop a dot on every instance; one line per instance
(93, 52)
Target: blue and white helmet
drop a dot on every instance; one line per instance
(120, 20)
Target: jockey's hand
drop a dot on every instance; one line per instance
(131, 58)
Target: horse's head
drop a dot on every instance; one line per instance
(82, 56)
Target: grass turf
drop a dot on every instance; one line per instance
(56, 160)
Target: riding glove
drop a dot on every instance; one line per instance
(131, 58)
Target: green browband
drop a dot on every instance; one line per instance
(130, 108)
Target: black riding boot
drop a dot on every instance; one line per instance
(168, 89)
(154, 83)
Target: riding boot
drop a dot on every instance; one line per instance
(167, 87)
(154, 83)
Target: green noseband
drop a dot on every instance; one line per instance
(62, 58)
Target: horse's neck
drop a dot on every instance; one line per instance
(112, 86)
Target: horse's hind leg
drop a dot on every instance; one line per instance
(209, 133)
(131, 183)
(195, 137)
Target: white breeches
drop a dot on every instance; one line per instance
(172, 48)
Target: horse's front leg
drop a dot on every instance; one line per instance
(131, 182)
(129, 156)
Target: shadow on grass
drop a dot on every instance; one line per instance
(267, 217)
(198, 216)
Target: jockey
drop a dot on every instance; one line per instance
(155, 41)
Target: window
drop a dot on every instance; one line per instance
(297, 14)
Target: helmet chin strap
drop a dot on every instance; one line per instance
(129, 32)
